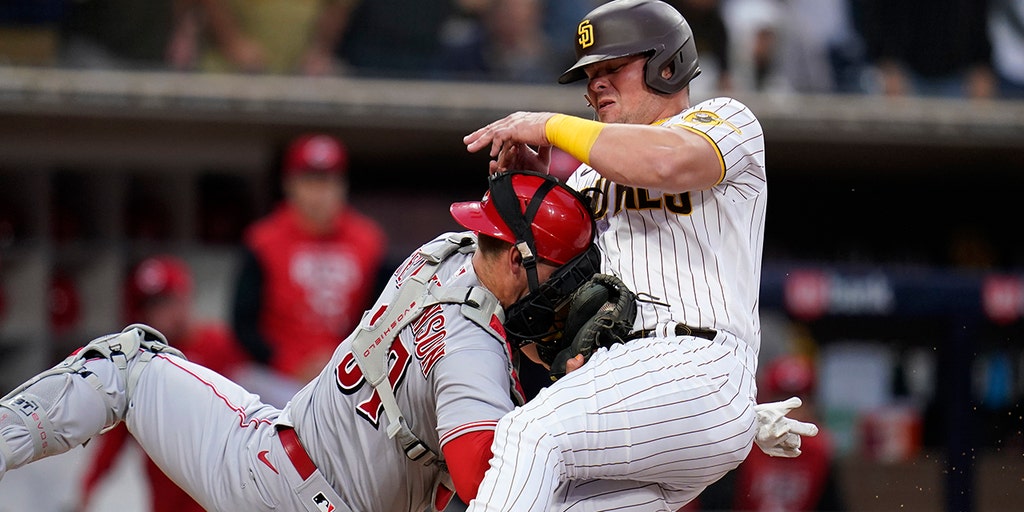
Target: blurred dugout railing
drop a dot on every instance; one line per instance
(381, 117)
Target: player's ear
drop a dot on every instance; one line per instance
(515, 259)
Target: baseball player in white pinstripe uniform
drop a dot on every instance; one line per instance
(679, 194)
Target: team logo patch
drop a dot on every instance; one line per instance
(586, 32)
(322, 503)
(706, 117)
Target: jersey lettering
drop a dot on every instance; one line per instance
(411, 267)
(679, 203)
(350, 378)
(348, 375)
(598, 196)
(632, 198)
(430, 333)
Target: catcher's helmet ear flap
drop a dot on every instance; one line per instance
(631, 27)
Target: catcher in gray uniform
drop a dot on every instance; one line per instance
(400, 419)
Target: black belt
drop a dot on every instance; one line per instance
(681, 330)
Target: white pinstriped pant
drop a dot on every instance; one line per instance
(645, 425)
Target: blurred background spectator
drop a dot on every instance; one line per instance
(273, 36)
(929, 47)
(518, 46)
(952, 48)
(29, 31)
(713, 45)
(128, 34)
(819, 50)
(158, 292)
(754, 28)
(504, 40)
(532, 40)
(428, 38)
(1006, 32)
(309, 268)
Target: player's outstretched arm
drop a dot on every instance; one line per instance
(669, 159)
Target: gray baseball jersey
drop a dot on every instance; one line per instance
(450, 377)
(646, 425)
(221, 443)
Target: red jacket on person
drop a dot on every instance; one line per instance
(314, 288)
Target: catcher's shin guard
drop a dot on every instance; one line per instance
(31, 401)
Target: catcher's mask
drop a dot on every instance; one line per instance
(632, 27)
(544, 220)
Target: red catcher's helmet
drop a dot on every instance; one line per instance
(561, 224)
(316, 153)
(153, 278)
(632, 27)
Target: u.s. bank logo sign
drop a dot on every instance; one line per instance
(586, 32)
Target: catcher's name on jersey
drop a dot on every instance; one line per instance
(699, 260)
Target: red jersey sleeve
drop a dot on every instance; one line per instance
(468, 458)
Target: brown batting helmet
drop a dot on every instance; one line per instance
(632, 27)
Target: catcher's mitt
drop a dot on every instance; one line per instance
(601, 313)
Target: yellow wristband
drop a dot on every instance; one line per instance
(573, 135)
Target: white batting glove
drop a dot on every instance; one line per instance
(778, 435)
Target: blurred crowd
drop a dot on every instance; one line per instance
(950, 48)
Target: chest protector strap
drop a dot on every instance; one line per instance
(371, 344)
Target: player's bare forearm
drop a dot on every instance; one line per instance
(667, 159)
(663, 158)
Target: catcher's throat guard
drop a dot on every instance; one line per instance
(535, 317)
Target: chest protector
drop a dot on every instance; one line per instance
(371, 344)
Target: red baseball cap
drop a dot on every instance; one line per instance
(64, 301)
(316, 153)
(155, 277)
(789, 375)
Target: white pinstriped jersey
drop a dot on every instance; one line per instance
(647, 425)
(450, 377)
(697, 252)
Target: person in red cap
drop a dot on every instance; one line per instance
(158, 292)
(309, 268)
(763, 483)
